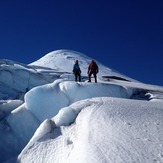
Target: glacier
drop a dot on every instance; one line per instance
(45, 116)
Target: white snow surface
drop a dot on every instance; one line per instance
(47, 117)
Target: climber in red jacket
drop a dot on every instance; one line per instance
(92, 69)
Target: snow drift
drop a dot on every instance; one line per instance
(106, 130)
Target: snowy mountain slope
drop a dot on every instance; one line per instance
(114, 120)
(63, 60)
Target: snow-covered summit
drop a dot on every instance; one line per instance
(45, 116)
(58, 58)
(63, 60)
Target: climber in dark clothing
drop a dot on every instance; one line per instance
(77, 71)
(92, 69)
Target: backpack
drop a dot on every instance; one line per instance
(76, 68)
(93, 67)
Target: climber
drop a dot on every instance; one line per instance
(92, 69)
(77, 71)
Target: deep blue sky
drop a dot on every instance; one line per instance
(124, 35)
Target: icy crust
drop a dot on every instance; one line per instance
(61, 93)
(17, 78)
(7, 106)
(106, 130)
(23, 124)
